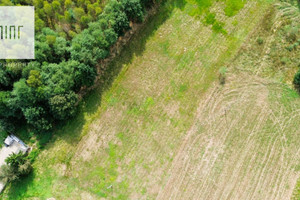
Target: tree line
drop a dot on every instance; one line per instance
(45, 90)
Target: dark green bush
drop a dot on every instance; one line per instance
(260, 41)
(38, 118)
(296, 81)
(63, 106)
(17, 165)
(133, 10)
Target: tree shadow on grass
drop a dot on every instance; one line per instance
(19, 188)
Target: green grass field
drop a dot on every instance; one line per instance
(164, 128)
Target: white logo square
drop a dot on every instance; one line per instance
(16, 32)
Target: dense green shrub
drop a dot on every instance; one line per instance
(296, 81)
(133, 10)
(50, 47)
(23, 95)
(63, 106)
(37, 117)
(17, 165)
(34, 79)
(58, 79)
(5, 79)
(115, 14)
(260, 41)
(85, 50)
(5, 110)
(84, 75)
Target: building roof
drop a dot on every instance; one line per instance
(8, 140)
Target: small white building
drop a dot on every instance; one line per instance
(8, 141)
